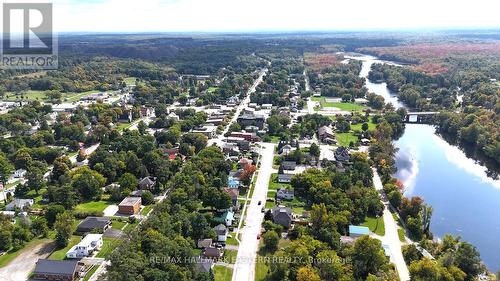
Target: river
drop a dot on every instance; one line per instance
(465, 200)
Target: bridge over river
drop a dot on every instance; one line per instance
(420, 117)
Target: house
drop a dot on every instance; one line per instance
(286, 149)
(243, 162)
(226, 218)
(325, 134)
(221, 231)
(285, 194)
(146, 111)
(212, 253)
(86, 247)
(288, 165)
(358, 231)
(267, 106)
(208, 131)
(251, 137)
(284, 178)
(204, 264)
(63, 270)
(147, 183)
(21, 204)
(244, 145)
(233, 193)
(130, 205)
(214, 121)
(20, 173)
(365, 141)
(247, 120)
(93, 224)
(126, 115)
(174, 116)
(342, 154)
(282, 216)
(204, 243)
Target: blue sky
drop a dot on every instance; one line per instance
(275, 15)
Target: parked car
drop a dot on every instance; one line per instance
(260, 202)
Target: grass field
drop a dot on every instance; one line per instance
(232, 240)
(93, 206)
(61, 253)
(222, 273)
(109, 244)
(212, 89)
(117, 224)
(344, 139)
(129, 81)
(91, 272)
(346, 106)
(371, 126)
(41, 95)
(376, 225)
(230, 256)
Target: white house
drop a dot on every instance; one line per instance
(89, 244)
(19, 203)
(20, 173)
(285, 194)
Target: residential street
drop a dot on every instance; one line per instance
(391, 237)
(244, 268)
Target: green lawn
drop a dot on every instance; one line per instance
(61, 253)
(129, 81)
(117, 224)
(91, 272)
(376, 225)
(232, 240)
(41, 95)
(401, 234)
(269, 205)
(275, 185)
(122, 126)
(230, 256)
(222, 273)
(9, 256)
(371, 126)
(212, 89)
(147, 209)
(109, 244)
(93, 206)
(261, 268)
(344, 139)
(346, 106)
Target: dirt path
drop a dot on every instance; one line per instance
(21, 266)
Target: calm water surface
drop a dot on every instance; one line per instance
(465, 200)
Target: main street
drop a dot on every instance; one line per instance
(244, 268)
(244, 103)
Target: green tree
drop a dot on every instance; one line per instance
(314, 150)
(128, 182)
(271, 240)
(64, 228)
(368, 257)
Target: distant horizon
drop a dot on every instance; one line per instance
(237, 16)
(493, 29)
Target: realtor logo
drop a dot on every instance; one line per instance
(28, 41)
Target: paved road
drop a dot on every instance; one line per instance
(244, 268)
(21, 266)
(391, 237)
(244, 103)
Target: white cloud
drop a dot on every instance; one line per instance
(252, 15)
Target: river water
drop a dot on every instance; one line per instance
(465, 200)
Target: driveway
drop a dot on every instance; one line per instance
(391, 237)
(244, 268)
(110, 210)
(21, 266)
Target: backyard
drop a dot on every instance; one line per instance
(346, 106)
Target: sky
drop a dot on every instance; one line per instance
(270, 15)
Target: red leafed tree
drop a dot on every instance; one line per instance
(247, 173)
